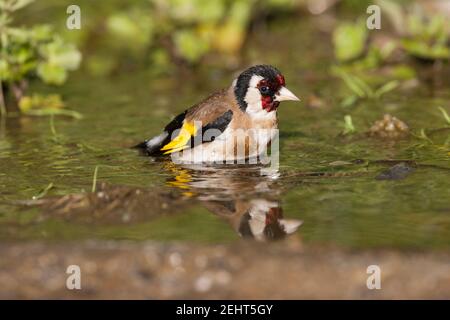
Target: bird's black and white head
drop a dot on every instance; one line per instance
(260, 89)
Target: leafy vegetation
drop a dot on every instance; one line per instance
(372, 64)
(361, 89)
(169, 33)
(42, 105)
(30, 53)
(421, 35)
(427, 40)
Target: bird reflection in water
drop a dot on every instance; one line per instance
(240, 195)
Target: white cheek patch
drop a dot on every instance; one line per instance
(253, 100)
(253, 96)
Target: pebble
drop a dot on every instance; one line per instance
(397, 172)
(203, 283)
(389, 127)
(175, 260)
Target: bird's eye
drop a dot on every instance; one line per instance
(264, 89)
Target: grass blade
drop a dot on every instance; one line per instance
(391, 85)
(445, 114)
(43, 192)
(61, 112)
(368, 92)
(94, 180)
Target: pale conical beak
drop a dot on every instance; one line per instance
(285, 95)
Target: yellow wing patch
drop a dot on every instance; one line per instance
(180, 141)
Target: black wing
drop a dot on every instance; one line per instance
(212, 130)
(152, 147)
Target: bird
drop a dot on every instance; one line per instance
(256, 218)
(236, 123)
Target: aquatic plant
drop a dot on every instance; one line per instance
(27, 54)
(349, 40)
(356, 50)
(445, 115)
(422, 135)
(43, 105)
(372, 63)
(360, 88)
(357, 56)
(427, 40)
(42, 193)
(422, 35)
(349, 128)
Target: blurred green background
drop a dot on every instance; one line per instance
(162, 37)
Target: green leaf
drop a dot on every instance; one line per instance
(349, 40)
(4, 70)
(14, 5)
(52, 74)
(403, 72)
(209, 11)
(19, 35)
(421, 49)
(136, 25)
(41, 33)
(61, 54)
(349, 128)
(368, 92)
(350, 82)
(38, 101)
(353, 86)
(349, 101)
(190, 45)
(21, 3)
(391, 85)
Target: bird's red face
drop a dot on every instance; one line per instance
(268, 88)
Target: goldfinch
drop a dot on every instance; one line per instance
(258, 218)
(232, 124)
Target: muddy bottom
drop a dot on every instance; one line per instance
(243, 270)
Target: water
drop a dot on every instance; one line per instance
(325, 191)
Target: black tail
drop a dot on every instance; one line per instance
(142, 145)
(152, 147)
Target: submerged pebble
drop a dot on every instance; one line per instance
(397, 172)
(389, 127)
(203, 283)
